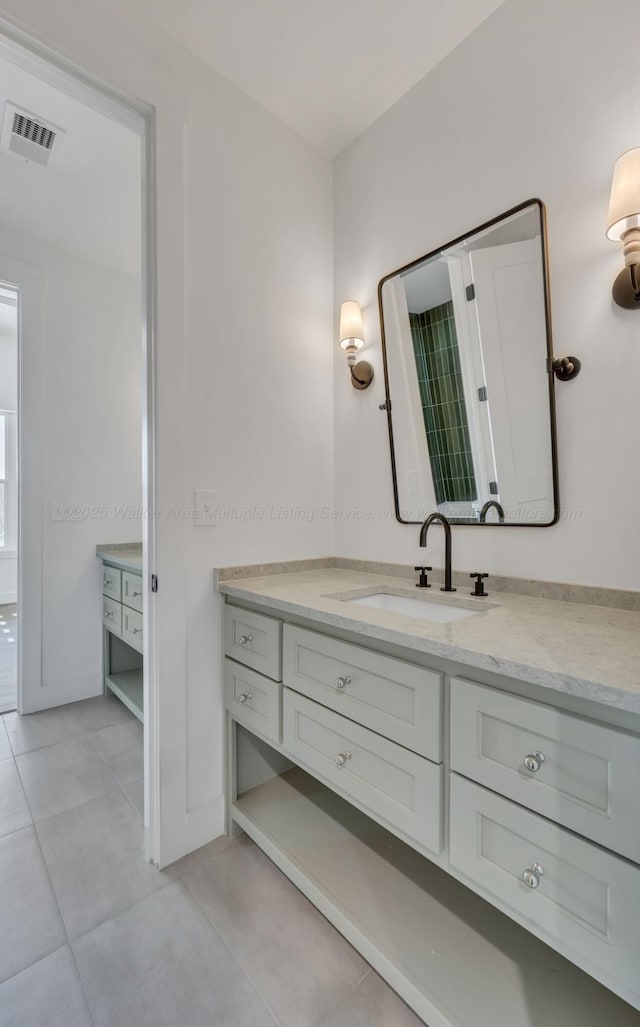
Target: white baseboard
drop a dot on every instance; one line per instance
(205, 822)
(8, 598)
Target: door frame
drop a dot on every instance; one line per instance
(23, 50)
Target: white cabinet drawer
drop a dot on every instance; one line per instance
(586, 901)
(254, 640)
(132, 590)
(589, 779)
(112, 615)
(394, 698)
(132, 628)
(112, 582)
(395, 786)
(253, 700)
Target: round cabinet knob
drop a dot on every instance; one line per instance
(134, 595)
(532, 875)
(107, 582)
(245, 697)
(108, 613)
(342, 758)
(534, 761)
(135, 631)
(244, 639)
(341, 682)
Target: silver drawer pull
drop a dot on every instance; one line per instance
(107, 582)
(244, 639)
(342, 758)
(534, 761)
(532, 875)
(134, 595)
(245, 697)
(108, 613)
(341, 682)
(136, 631)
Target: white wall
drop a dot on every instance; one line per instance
(244, 353)
(91, 383)
(534, 103)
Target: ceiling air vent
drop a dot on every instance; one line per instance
(28, 136)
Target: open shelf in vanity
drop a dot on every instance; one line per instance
(341, 766)
(122, 619)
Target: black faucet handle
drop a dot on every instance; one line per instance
(479, 587)
(423, 581)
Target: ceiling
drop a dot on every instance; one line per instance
(328, 68)
(88, 199)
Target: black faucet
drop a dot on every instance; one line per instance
(487, 506)
(438, 518)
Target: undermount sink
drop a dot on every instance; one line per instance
(428, 609)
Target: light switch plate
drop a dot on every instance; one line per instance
(205, 505)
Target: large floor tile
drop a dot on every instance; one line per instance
(373, 1004)
(35, 730)
(181, 867)
(14, 812)
(298, 962)
(63, 776)
(160, 964)
(103, 711)
(121, 746)
(6, 752)
(47, 994)
(94, 854)
(30, 923)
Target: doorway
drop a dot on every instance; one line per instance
(74, 260)
(8, 498)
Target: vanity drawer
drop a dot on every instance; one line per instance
(132, 632)
(589, 780)
(254, 640)
(112, 615)
(394, 698)
(253, 700)
(112, 582)
(132, 590)
(395, 786)
(584, 898)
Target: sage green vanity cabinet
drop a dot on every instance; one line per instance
(478, 845)
(123, 633)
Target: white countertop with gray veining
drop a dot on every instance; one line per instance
(127, 557)
(591, 652)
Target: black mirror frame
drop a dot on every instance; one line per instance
(549, 366)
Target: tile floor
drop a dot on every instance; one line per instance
(92, 936)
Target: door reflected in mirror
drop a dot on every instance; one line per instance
(470, 398)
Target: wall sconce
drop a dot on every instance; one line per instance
(352, 340)
(624, 225)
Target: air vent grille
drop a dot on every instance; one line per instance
(28, 129)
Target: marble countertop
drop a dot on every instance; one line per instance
(588, 651)
(127, 557)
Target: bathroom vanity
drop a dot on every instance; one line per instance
(458, 796)
(122, 622)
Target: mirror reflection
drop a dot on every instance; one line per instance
(469, 392)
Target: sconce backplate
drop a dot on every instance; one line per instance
(623, 292)
(361, 375)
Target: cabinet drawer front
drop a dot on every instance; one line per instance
(112, 582)
(132, 590)
(585, 899)
(132, 628)
(112, 615)
(253, 700)
(589, 779)
(394, 698)
(395, 786)
(254, 640)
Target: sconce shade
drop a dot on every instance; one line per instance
(351, 333)
(624, 206)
